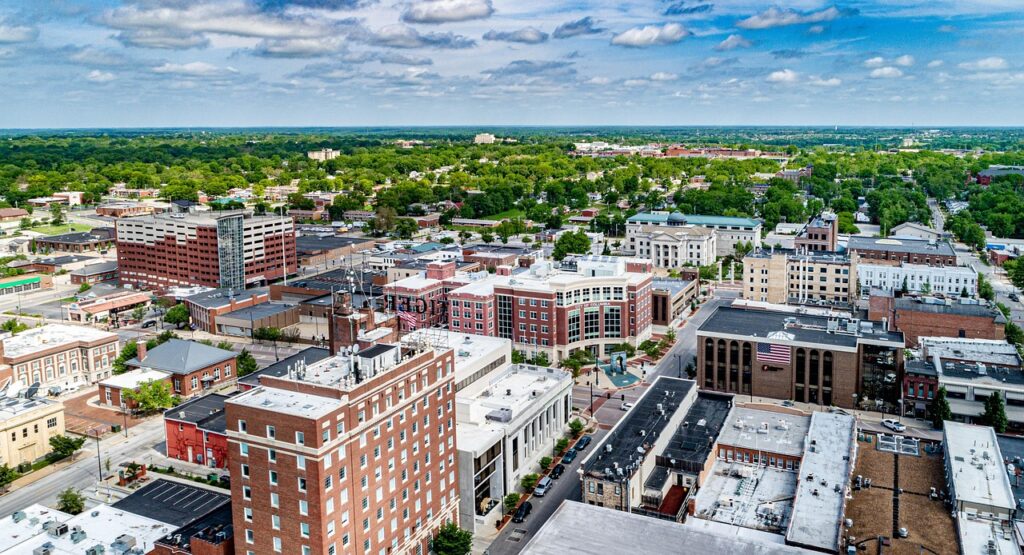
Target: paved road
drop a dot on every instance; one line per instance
(84, 473)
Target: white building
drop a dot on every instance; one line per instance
(103, 528)
(484, 139)
(947, 280)
(506, 424)
(476, 356)
(729, 231)
(913, 230)
(979, 488)
(672, 246)
(323, 155)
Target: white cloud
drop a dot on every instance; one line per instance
(935, 63)
(97, 76)
(229, 17)
(825, 82)
(733, 42)
(776, 17)
(162, 38)
(992, 63)
(664, 76)
(443, 11)
(10, 34)
(783, 76)
(598, 81)
(194, 69)
(526, 35)
(887, 72)
(877, 61)
(635, 82)
(816, 29)
(905, 60)
(403, 36)
(651, 35)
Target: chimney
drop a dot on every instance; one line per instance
(140, 351)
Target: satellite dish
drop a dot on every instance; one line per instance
(32, 390)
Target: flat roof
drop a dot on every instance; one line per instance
(695, 438)
(206, 526)
(824, 476)
(695, 219)
(907, 245)
(975, 535)
(988, 351)
(673, 286)
(223, 297)
(175, 503)
(134, 378)
(307, 356)
(59, 260)
(34, 340)
(468, 348)
(81, 237)
(286, 402)
(955, 307)
(1012, 449)
(757, 429)
(103, 525)
(207, 412)
(738, 494)
(969, 447)
(644, 417)
(788, 328)
(315, 242)
(255, 312)
(30, 523)
(591, 530)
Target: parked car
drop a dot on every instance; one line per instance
(570, 456)
(626, 406)
(522, 512)
(894, 425)
(788, 404)
(149, 323)
(542, 487)
(557, 471)
(583, 443)
(1014, 297)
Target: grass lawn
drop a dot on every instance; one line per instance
(513, 213)
(57, 230)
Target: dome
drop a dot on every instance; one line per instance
(676, 218)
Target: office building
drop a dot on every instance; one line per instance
(26, 426)
(918, 278)
(892, 250)
(354, 453)
(670, 246)
(59, 355)
(819, 234)
(225, 249)
(781, 276)
(728, 231)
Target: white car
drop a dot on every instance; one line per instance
(626, 406)
(893, 425)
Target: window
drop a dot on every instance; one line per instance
(304, 506)
(300, 462)
(275, 501)
(51, 422)
(300, 438)
(273, 477)
(302, 484)
(275, 522)
(246, 492)
(271, 432)
(272, 455)
(245, 471)
(241, 426)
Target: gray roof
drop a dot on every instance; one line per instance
(805, 328)
(172, 503)
(692, 442)
(673, 286)
(584, 529)
(305, 243)
(280, 368)
(1012, 448)
(920, 367)
(74, 237)
(890, 244)
(222, 297)
(93, 269)
(262, 310)
(960, 309)
(181, 357)
(60, 260)
(206, 412)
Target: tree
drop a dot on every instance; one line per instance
(1014, 334)
(64, 446)
(995, 412)
(510, 502)
(7, 475)
(405, 228)
(150, 396)
(25, 223)
(138, 313)
(561, 445)
(1015, 271)
(71, 501)
(177, 315)
(56, 214)
(576, 427)
(904, 288)
(487, 237)
(573, 242)
(541, 359)
(268, 334)
(14, 326)
(128, 352)
(938, 409)
(246, 363)
(529, 481)
(84, 287)
(985, 289)
(545, 462)
(452, 540)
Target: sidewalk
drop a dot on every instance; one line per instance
(33, 477)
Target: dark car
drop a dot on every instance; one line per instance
(1015, 297)
(583, 443)
(149, 323)
(570, 456)
(557, 471)
(522, 512)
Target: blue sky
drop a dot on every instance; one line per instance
(127, 63)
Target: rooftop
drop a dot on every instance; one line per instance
(469, 349)
(222, 297)
(181, 357)
(111, 527)
(81, 237)
(608, 531)
(777, 432)
(789, 328)
(901, 245)
(172, 502)
(134, 378)
(93, 269)
(976, 465)
(286, 402)
(747, 496)
(34, 340)
(824, 475)
(206, 412)
(307, 356)
(988, 351)
(951, 306)
(695, 219)
(26, 523)
(213, 527)
(673, 286)
(694, 440)
(306, 243)
(258, 311)
(1012, 449)
(685, 229)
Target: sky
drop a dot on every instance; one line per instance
(215, 63)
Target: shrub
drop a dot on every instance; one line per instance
(545, 462)
(510, 502)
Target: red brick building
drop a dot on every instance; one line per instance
(351, 454)
(928, 317)
(193, 368)
(894, 251)
(203, 308)
(195, 431)
(228, 249)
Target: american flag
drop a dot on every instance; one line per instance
(408, 317)
(770, 352)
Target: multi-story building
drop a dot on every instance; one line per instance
(83, 241)
(913, 230)
(204, 307)
(323, 155)
(932, 317)
(781, 276)
(26, 426)
(671, 298)
(352, 454)
(672, 246)
(918, 278)
(728, 231)
(229, 249)
(191, 368)
(808, 358)
(59, 355)
(195, 431)
(819, 234)
(891, 250)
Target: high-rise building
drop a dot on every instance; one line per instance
(354, 453)
(229, 249)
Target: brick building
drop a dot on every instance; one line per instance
(95, 273)
(354, 453)
(671, 298)
(781, 276)
(195, 431)
(86, 241)
(927, 316)
(892, 250)
(125, 209)
(319, 249)
(205, 307)
(194, 368)
(820, 234)
(807, 358)
(228, 249)
(59, 355)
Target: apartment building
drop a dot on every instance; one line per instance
(918, 278)
(354, 453)
(728, 231)
(820, 234)
(672, 246)
(919, 317)
(893, 250)
(781, 276)
(59, 355)
(228, 249)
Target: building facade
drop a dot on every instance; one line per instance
(728, 231)
(781, 276)
(58, 355)
(672, 246)
(918, 317)
(819, 235)
(894, 251)
(26, 426)
(217, 249)
(195, 431)
(918, 278)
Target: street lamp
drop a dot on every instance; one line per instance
(854, 401)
